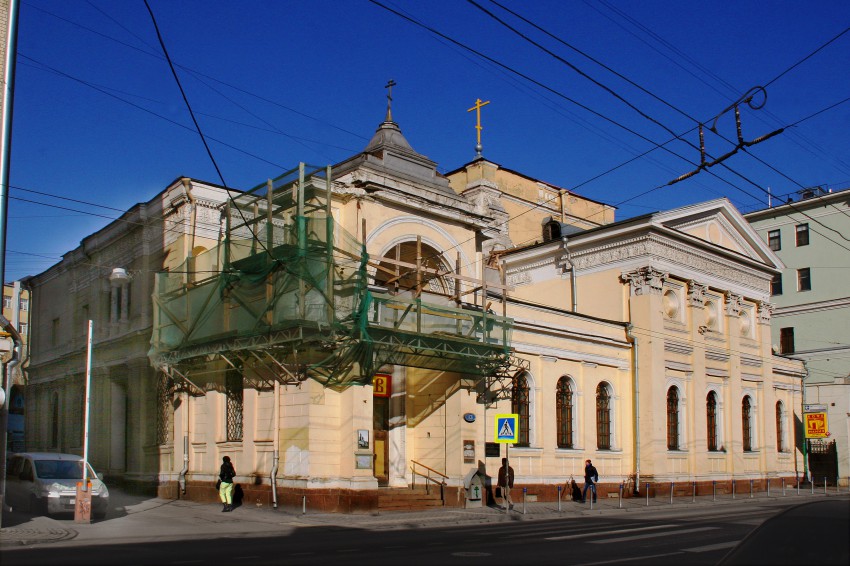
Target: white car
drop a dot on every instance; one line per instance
(45, 482)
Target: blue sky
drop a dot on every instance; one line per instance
(99, 118)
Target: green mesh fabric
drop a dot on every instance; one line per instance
(295, 287)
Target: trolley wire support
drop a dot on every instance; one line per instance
(748, 99)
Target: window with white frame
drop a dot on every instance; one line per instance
(747, 423)
(521, 406)
(603, 416)
(565, 411)
(673, 418)
(711, 421)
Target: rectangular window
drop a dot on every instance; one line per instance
(7, 302)
(25, 304)
(776, 285)
(23, 329)
(804, 279)
(774, 241)
(802, 235)
(786, 340)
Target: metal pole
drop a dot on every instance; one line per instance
(671, 493)
(768, 488)
(783, 487)
(714, 490)
(647, 494)
(824, 485)
(303, 504)
(751, 489)
(813, 485)
(694, 497)
(733, 489)
(559, 499)
(620, 503)
(525, 491)
(87, 408)
(798, 485)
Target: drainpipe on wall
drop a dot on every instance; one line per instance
(636, 390)
(572, 276)
(803, 415)
(181, 481)
(276, 456)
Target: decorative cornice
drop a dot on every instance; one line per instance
(696, 293)
(660, 247)
(734, 303)
(645, 281)
(765, 310)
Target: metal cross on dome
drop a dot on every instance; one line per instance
(390, 84)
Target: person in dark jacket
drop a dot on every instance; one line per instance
(506, 482)
(591, 476)
(225, 490)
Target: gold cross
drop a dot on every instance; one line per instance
(389, 88)
(477, 108)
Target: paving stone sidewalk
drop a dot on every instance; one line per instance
(135, 518)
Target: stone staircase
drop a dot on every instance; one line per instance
(406, 499)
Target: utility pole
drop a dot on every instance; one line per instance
(10, 11)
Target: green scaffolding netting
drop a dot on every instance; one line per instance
(286, 280)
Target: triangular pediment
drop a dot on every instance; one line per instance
(718, 223)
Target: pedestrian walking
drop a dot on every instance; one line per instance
(225, 490)
(591, 476)
(506, 482)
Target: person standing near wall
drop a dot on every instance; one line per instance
(225, 490)
(591, 476)
(506, 482)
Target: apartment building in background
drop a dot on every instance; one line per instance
(810, 232)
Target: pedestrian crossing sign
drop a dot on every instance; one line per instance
(507, 428)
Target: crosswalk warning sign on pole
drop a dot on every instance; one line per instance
(507, 428)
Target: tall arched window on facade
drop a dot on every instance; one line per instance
(780, 427)
(673, 418)
(746, 423)
(603, 417)
(520, 406)
(711, 420)
(564, 408)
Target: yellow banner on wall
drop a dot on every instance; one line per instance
(816, 425)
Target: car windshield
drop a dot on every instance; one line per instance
(61, 469)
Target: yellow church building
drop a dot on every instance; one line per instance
(356, 328)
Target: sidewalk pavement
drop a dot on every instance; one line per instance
(134, 518)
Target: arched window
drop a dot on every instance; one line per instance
(711, 420)
(520, 406)
(746, 423)
(54, 422)
(780, 427)
(564, 409)
(673, 418)
(401, 279)
(603, 417)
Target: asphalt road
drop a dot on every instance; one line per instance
(698, 538)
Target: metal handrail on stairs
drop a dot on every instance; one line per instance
(428, 479)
